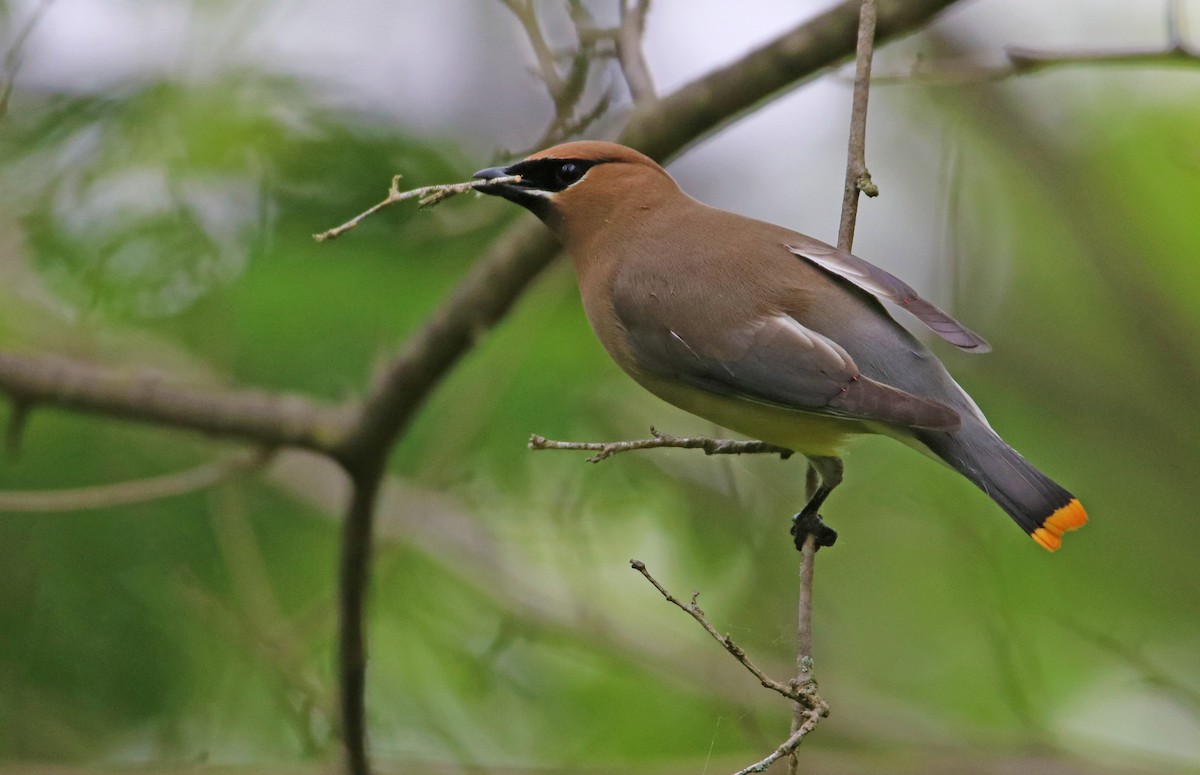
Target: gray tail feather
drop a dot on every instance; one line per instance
(1029, 496)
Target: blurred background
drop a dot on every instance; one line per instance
(163, 167)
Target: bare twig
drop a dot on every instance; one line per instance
(630, 52)
(428, 196)
(607, 449)
(810, 706)
(857, 177)
(693, 610)
(803, 720)
(805, 683)
(137, 491)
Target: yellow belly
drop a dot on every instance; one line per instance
(809, 434)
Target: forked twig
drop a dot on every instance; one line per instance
(810, 699)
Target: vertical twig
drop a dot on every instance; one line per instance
(857, 177)
(804, 660)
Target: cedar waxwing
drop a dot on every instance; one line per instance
(765, 331)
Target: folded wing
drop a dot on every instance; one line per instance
(775, 360)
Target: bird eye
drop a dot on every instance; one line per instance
(569, 173)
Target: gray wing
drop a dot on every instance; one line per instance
(885, 285)
(773, 360)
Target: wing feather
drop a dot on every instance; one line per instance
(887, 286)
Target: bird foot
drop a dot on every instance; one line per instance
(805, 524)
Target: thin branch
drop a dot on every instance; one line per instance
(693, 610)
(136, 491)
(804, 682)
(266, 419)
(630, 53)
(428, 196)
(857, 177)
(607, 449)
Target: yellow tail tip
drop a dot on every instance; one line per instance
(1069, 517)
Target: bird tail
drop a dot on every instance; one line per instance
(1041, 507)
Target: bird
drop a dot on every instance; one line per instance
(767, 332)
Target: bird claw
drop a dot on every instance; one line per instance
(806, 523)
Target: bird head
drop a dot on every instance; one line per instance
(586, 182)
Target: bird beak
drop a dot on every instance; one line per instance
(495, 172)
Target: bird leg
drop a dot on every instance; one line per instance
(808, 521)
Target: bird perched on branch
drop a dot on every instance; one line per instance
(767, 332)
